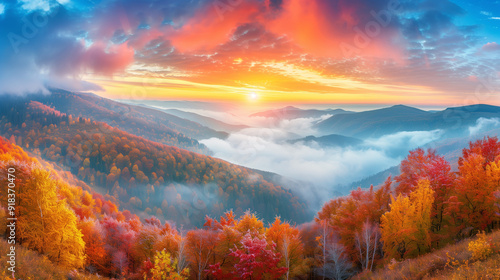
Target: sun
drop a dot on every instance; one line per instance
(253, 95)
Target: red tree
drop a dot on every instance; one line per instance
(256, 259)
(489, 148)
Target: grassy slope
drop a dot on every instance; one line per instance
(32, 265)
(451, 262)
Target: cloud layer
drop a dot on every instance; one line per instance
(484, 124)
(327, 169)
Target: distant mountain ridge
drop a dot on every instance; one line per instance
(332, 140)
(376, 123)
(291, 112)
(206, 121)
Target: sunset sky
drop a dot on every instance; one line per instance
(432, 52)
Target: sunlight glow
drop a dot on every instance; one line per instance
(253, 95)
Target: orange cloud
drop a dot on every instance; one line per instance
(344, 30)
(324, 28)
(213, 25)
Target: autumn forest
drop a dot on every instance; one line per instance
(249, 139)
(97, 200)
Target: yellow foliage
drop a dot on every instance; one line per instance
(31, 265)
(47, 224)
(250, 223)
(165, 268)
(480, 248)
(406, 227)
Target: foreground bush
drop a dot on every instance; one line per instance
(32, 265)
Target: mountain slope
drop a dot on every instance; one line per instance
(146, 122)
(32, 265)
(206, 121)
(145, 175)
(451, 262)
(375, 179)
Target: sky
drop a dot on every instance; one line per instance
(414, 52)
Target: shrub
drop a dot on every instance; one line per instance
(480, 248)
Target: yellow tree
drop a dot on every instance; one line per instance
(165, 268)
(406, 227)
(422, 199)
(47, 224)
(250, 223)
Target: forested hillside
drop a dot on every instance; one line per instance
(425, 208)
(146, 176)
(148, 123)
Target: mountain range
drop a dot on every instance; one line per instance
(114, 143)
(291, 112)
(375, 123)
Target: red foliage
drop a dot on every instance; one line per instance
(421, 164)
(488, 147)
(45, 109)
(256, 259)
(226, 220)
(10, 151)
